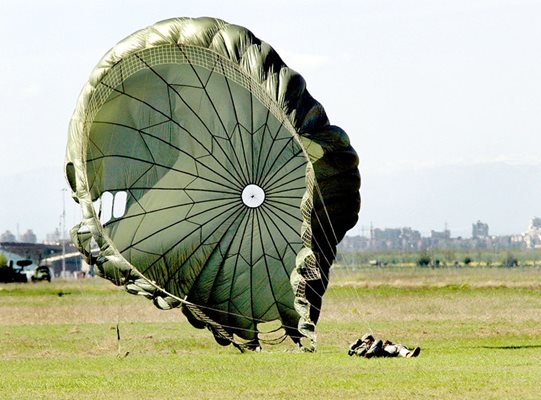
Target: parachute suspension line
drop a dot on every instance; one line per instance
(170, 118)
(239, 171)
(175, 147)
(353, 305)
(235, 211)
(143, 286)
(232, 179)
(120, 311)
(189, 107)
(267, 267)
(216, 327)
(232, 206)
(231, 98)
(165, 300)
(322, 199)
(138, 284)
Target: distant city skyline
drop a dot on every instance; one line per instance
(408, 239)
(478, 228)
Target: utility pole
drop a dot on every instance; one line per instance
(62, 234)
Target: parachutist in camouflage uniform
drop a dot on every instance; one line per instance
(369, 347)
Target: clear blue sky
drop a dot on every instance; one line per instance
(424, 88)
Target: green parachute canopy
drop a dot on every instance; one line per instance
(210, 179)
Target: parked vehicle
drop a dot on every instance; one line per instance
(42, 273)
(14, 273)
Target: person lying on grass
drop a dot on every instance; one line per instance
(369, 347)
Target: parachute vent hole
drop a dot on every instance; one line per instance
(119, 205)
(110, 206)
(253, 196)
(106, 209)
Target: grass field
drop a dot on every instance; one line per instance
(479, 330)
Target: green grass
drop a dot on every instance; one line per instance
(480, 335)
(495, 257)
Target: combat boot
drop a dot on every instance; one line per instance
(354, 346)
(414, 353)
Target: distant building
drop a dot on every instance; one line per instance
(7, 236)
(28, 237)
(535, 223)
(532, 237)
(355, 243)
(411, 239)
(443, 235)
(479, 230)
(386, 238)
(52, 238)
(395, 239)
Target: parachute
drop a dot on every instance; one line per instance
(209, 179)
